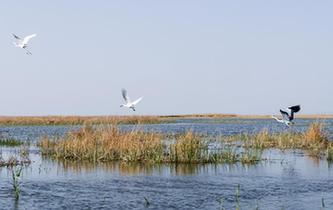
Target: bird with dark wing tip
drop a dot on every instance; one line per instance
(286, 118)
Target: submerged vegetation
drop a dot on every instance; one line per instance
(13, 161)
(16, 173)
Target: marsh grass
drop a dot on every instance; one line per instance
(10, 142)
(251, 155)
(105, 143)
(189, 148)
(314, 140)
(108, 143)
(16, 173)
(237, 197)
(80, 120)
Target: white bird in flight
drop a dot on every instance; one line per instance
(129, 104)
(23, 43)
(286, 118)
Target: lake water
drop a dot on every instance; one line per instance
(286, 180)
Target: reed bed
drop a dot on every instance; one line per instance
(80, 120)
(104, 144)
(314, 140)
(108, 143)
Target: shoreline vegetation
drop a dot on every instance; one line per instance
(131, 119)
(108, 143)
(315, 141)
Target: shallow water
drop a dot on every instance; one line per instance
(289, 180)
(213, 127)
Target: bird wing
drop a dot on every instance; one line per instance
(125, 96)
(285, 115)
(27, 38)
(16, 37)
(295, 108)
(137, 101)
(277, 119)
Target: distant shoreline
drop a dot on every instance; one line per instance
(131, 119)
(249, 116)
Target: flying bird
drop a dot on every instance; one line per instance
(23, 43)
(286, 118)
(129, 104)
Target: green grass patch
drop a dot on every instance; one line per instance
(10, 142)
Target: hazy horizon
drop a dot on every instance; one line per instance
(183, 57)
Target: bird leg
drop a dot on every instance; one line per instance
(28, 52)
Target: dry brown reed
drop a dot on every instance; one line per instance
(314, 140)
(104, 144)
(189, 148)
(108, 143)
(79, 120)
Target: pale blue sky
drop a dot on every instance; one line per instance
(245, 57)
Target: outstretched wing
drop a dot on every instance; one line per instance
(137, 101)
(27, 38)
(125, 96)
(16, 37)
(285, 115)
(295, 108)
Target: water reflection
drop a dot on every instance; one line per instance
(132, 169)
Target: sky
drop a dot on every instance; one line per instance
(183, 57)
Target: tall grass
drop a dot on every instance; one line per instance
(314, 140)
(108, 143)
(189, 148)
(104, 144)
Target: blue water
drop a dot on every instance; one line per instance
(286, 180)
(213, 127)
